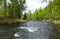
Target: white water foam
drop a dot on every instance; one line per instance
(30, 29)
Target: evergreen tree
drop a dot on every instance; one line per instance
(5, 7)
(25, 16)
(18, 7)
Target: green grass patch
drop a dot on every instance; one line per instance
(10, 21)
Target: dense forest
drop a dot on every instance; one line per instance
(50, 12)
(12, 9)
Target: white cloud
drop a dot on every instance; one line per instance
(35, 4)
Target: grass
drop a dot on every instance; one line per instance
(54, 21)
(10, 21)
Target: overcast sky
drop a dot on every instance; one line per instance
(35, 4)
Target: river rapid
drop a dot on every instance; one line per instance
(28, 30)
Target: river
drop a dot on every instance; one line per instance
(28, 30)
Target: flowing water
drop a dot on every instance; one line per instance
(28, 30)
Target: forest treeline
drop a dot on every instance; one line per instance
(52, 12)
(11, 9)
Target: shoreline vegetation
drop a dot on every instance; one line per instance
(12, 21)
(22, 21)
(53, 21)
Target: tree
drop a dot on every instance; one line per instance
(9, 10)
(25, 16)
(5, 7)
(56, 9)
(36, 14)
(29, 15)
(21, 7)
(18, 7)
(1, 9)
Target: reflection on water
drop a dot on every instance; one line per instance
(28, 30)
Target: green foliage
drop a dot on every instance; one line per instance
(25, 16)
(12, 9)
(29, 14)
(17, 8)
(52, 11)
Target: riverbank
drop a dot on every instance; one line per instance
(53, 21)
(57, 25)
(57, 22)
(12, 21)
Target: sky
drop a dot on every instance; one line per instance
(35, 4)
